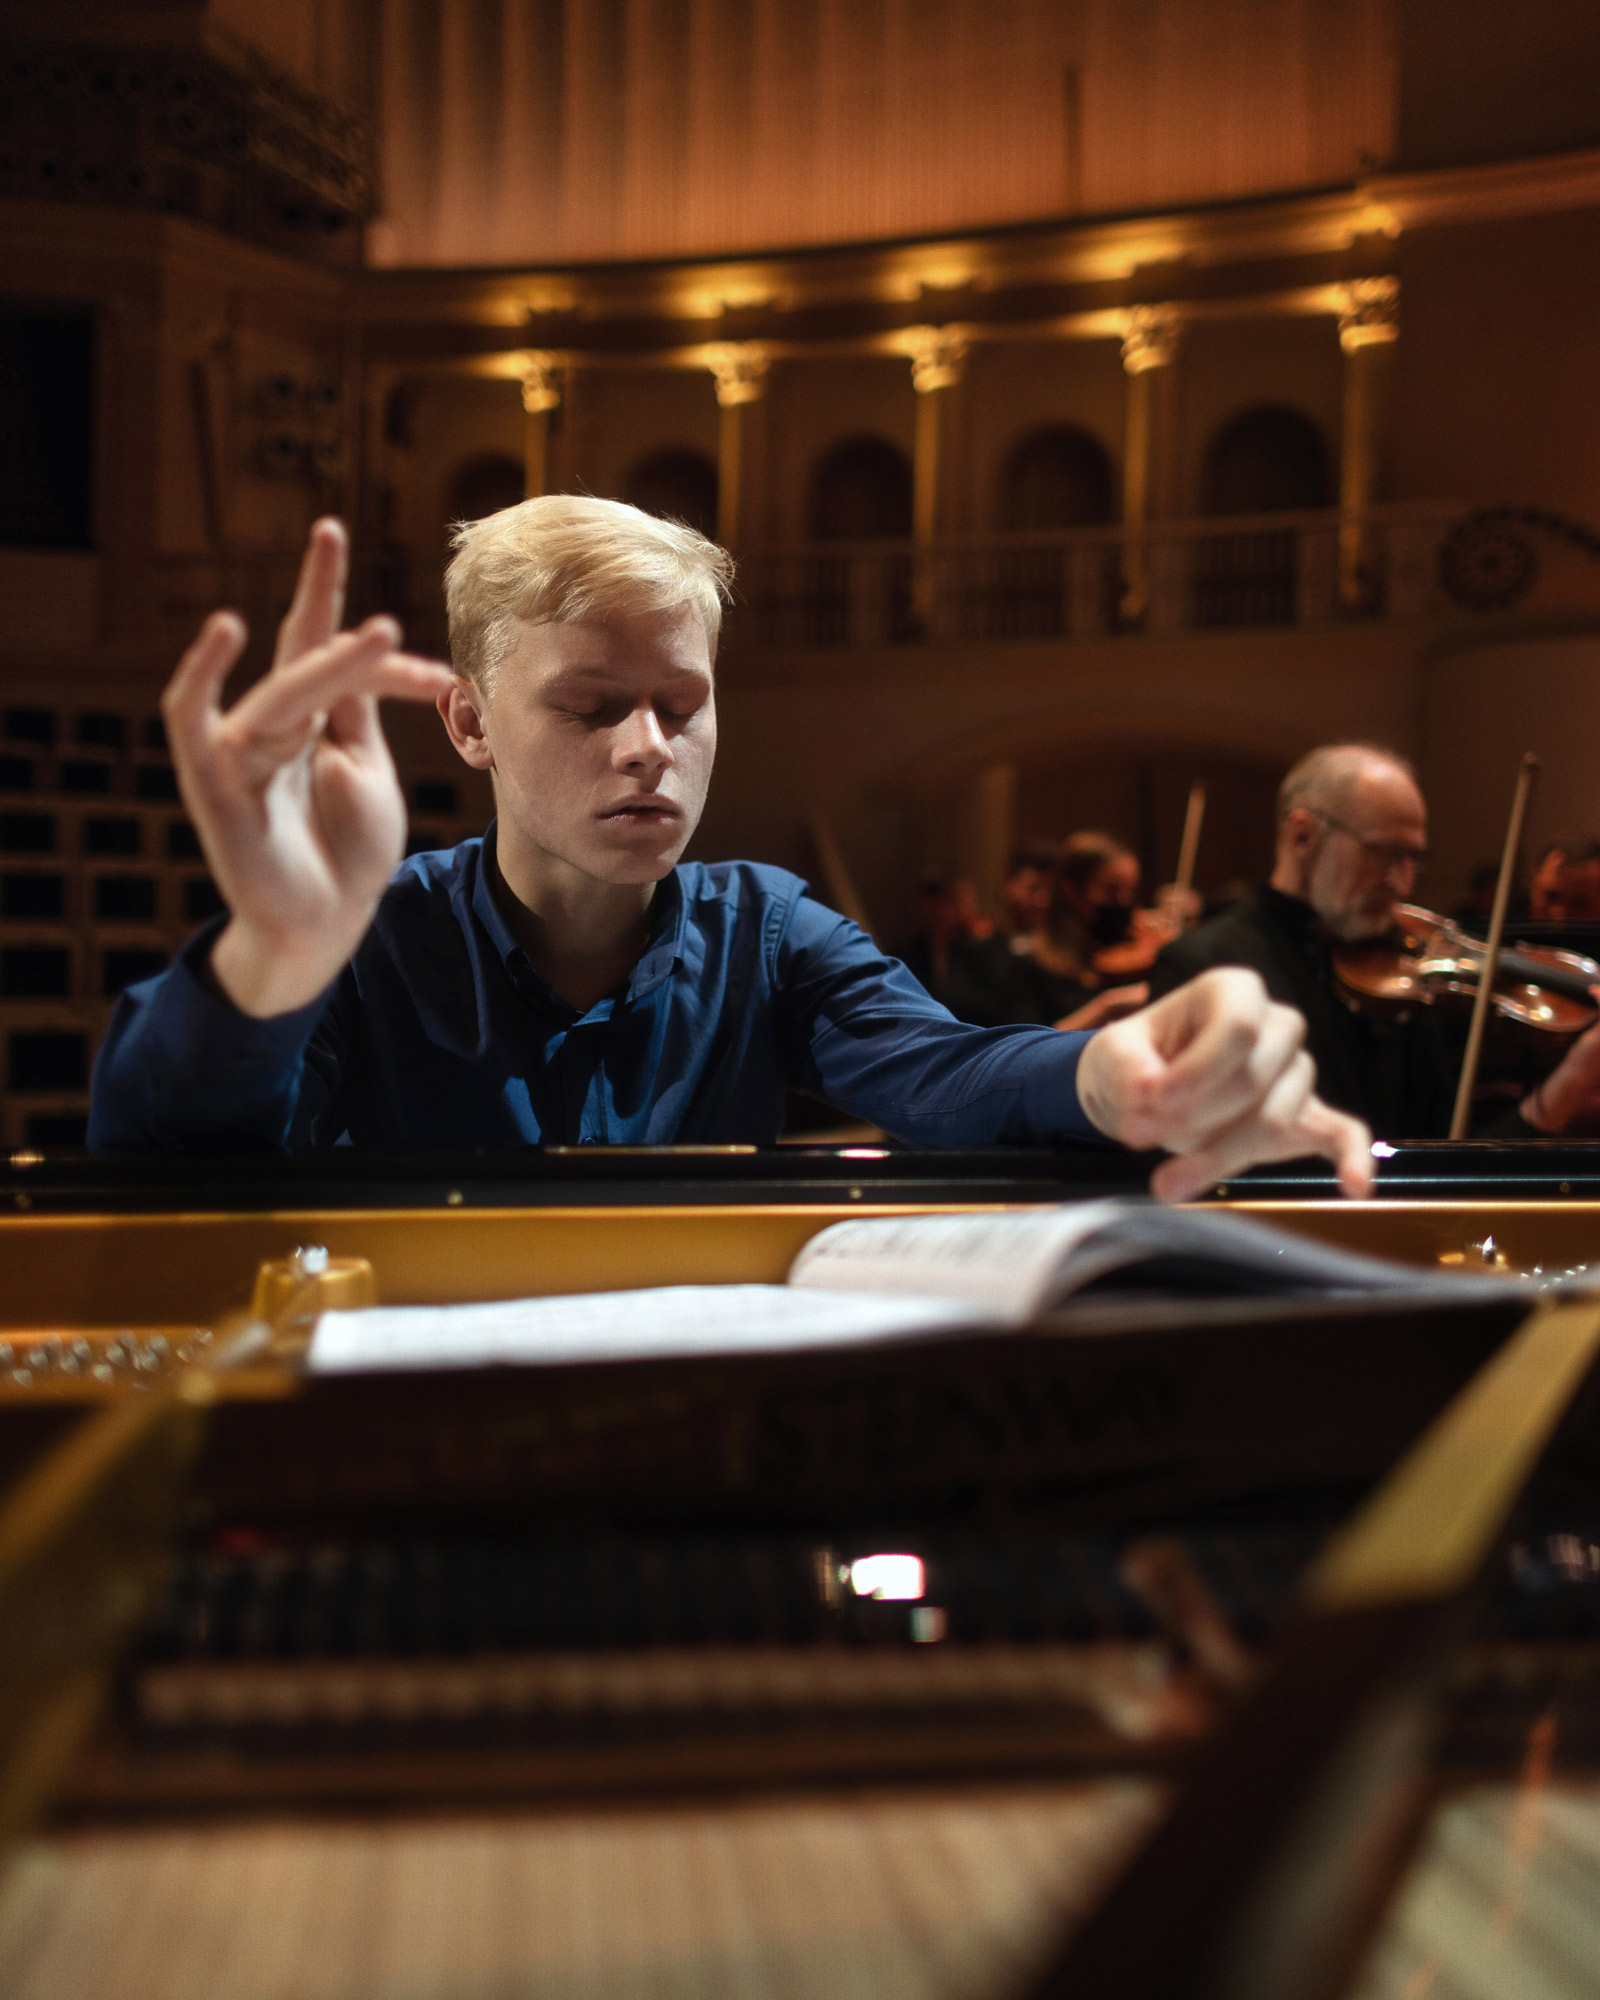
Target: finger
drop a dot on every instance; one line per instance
(1219, 1081)
(1206, 1039)
(350, 721)
(1223, 993)
(194, 694)
(1319, 1130)
(282, 700)
(1344, 1140)
(259, 746)
(354, 717)
(353, 723)
(318, 607)
(1272, 1131)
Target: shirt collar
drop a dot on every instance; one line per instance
(669, 923)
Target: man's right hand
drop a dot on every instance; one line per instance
(1215, 1074)
(292, 790)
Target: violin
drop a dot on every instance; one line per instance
(1429, 961)
(1132, 958)
(1177, 906)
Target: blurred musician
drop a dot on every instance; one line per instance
(568, 977)
(1352, 833)
(959, 955)
(1084, 962)
(1566, 884)
(1025, 895)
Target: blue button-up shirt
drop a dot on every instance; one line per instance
(440, 1034)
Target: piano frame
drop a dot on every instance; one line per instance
(1295, 1817)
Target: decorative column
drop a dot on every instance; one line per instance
(740, 368)
(540, 395)
(1369, 326)
(985, 829)
(938, 356)
(1149, 349)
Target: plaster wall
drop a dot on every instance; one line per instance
(1497, 395)
(1482, 704)
(1479, 80)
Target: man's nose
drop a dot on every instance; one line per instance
(642, 742)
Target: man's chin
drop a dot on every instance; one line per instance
(640, 857)
(1364, 926)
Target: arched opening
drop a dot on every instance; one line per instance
(1054, 479)
(484, 484)
(678, 484)
(1267, 460)
(862, 492)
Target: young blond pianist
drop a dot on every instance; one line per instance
(568, 978)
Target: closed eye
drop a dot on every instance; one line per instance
(609, 714)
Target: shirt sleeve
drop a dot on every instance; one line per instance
(861, 1033)
(183, 1069)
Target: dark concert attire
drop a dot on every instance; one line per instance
(439, 1033)
(1398, 1075)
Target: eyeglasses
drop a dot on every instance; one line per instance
(1391, 854)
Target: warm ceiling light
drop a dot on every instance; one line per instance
(547, 298)
(1376, 220)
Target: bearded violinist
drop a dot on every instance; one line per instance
(1352, 834)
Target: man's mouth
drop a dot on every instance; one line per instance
(642, 812)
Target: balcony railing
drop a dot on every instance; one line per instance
(1191, 576)
(1270, 569)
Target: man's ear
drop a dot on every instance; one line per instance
(1303, 829)
(461, 707)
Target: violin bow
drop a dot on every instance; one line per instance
(1189, 846)
(1491, 949)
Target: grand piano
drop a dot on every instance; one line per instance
(1166, 1646)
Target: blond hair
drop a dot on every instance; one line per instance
(565, 557)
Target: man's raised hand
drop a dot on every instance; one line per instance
(1215, 1074)
(292, 790)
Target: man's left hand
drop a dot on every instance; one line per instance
(1216, 1075)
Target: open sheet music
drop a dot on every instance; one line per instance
(880, 1279)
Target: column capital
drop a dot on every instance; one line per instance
(740, 368)
(1369, 313)
(938, 355)
(539, 389)
(1150, 338)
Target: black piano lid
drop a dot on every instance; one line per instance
(603, 1176)
(874, 1172)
